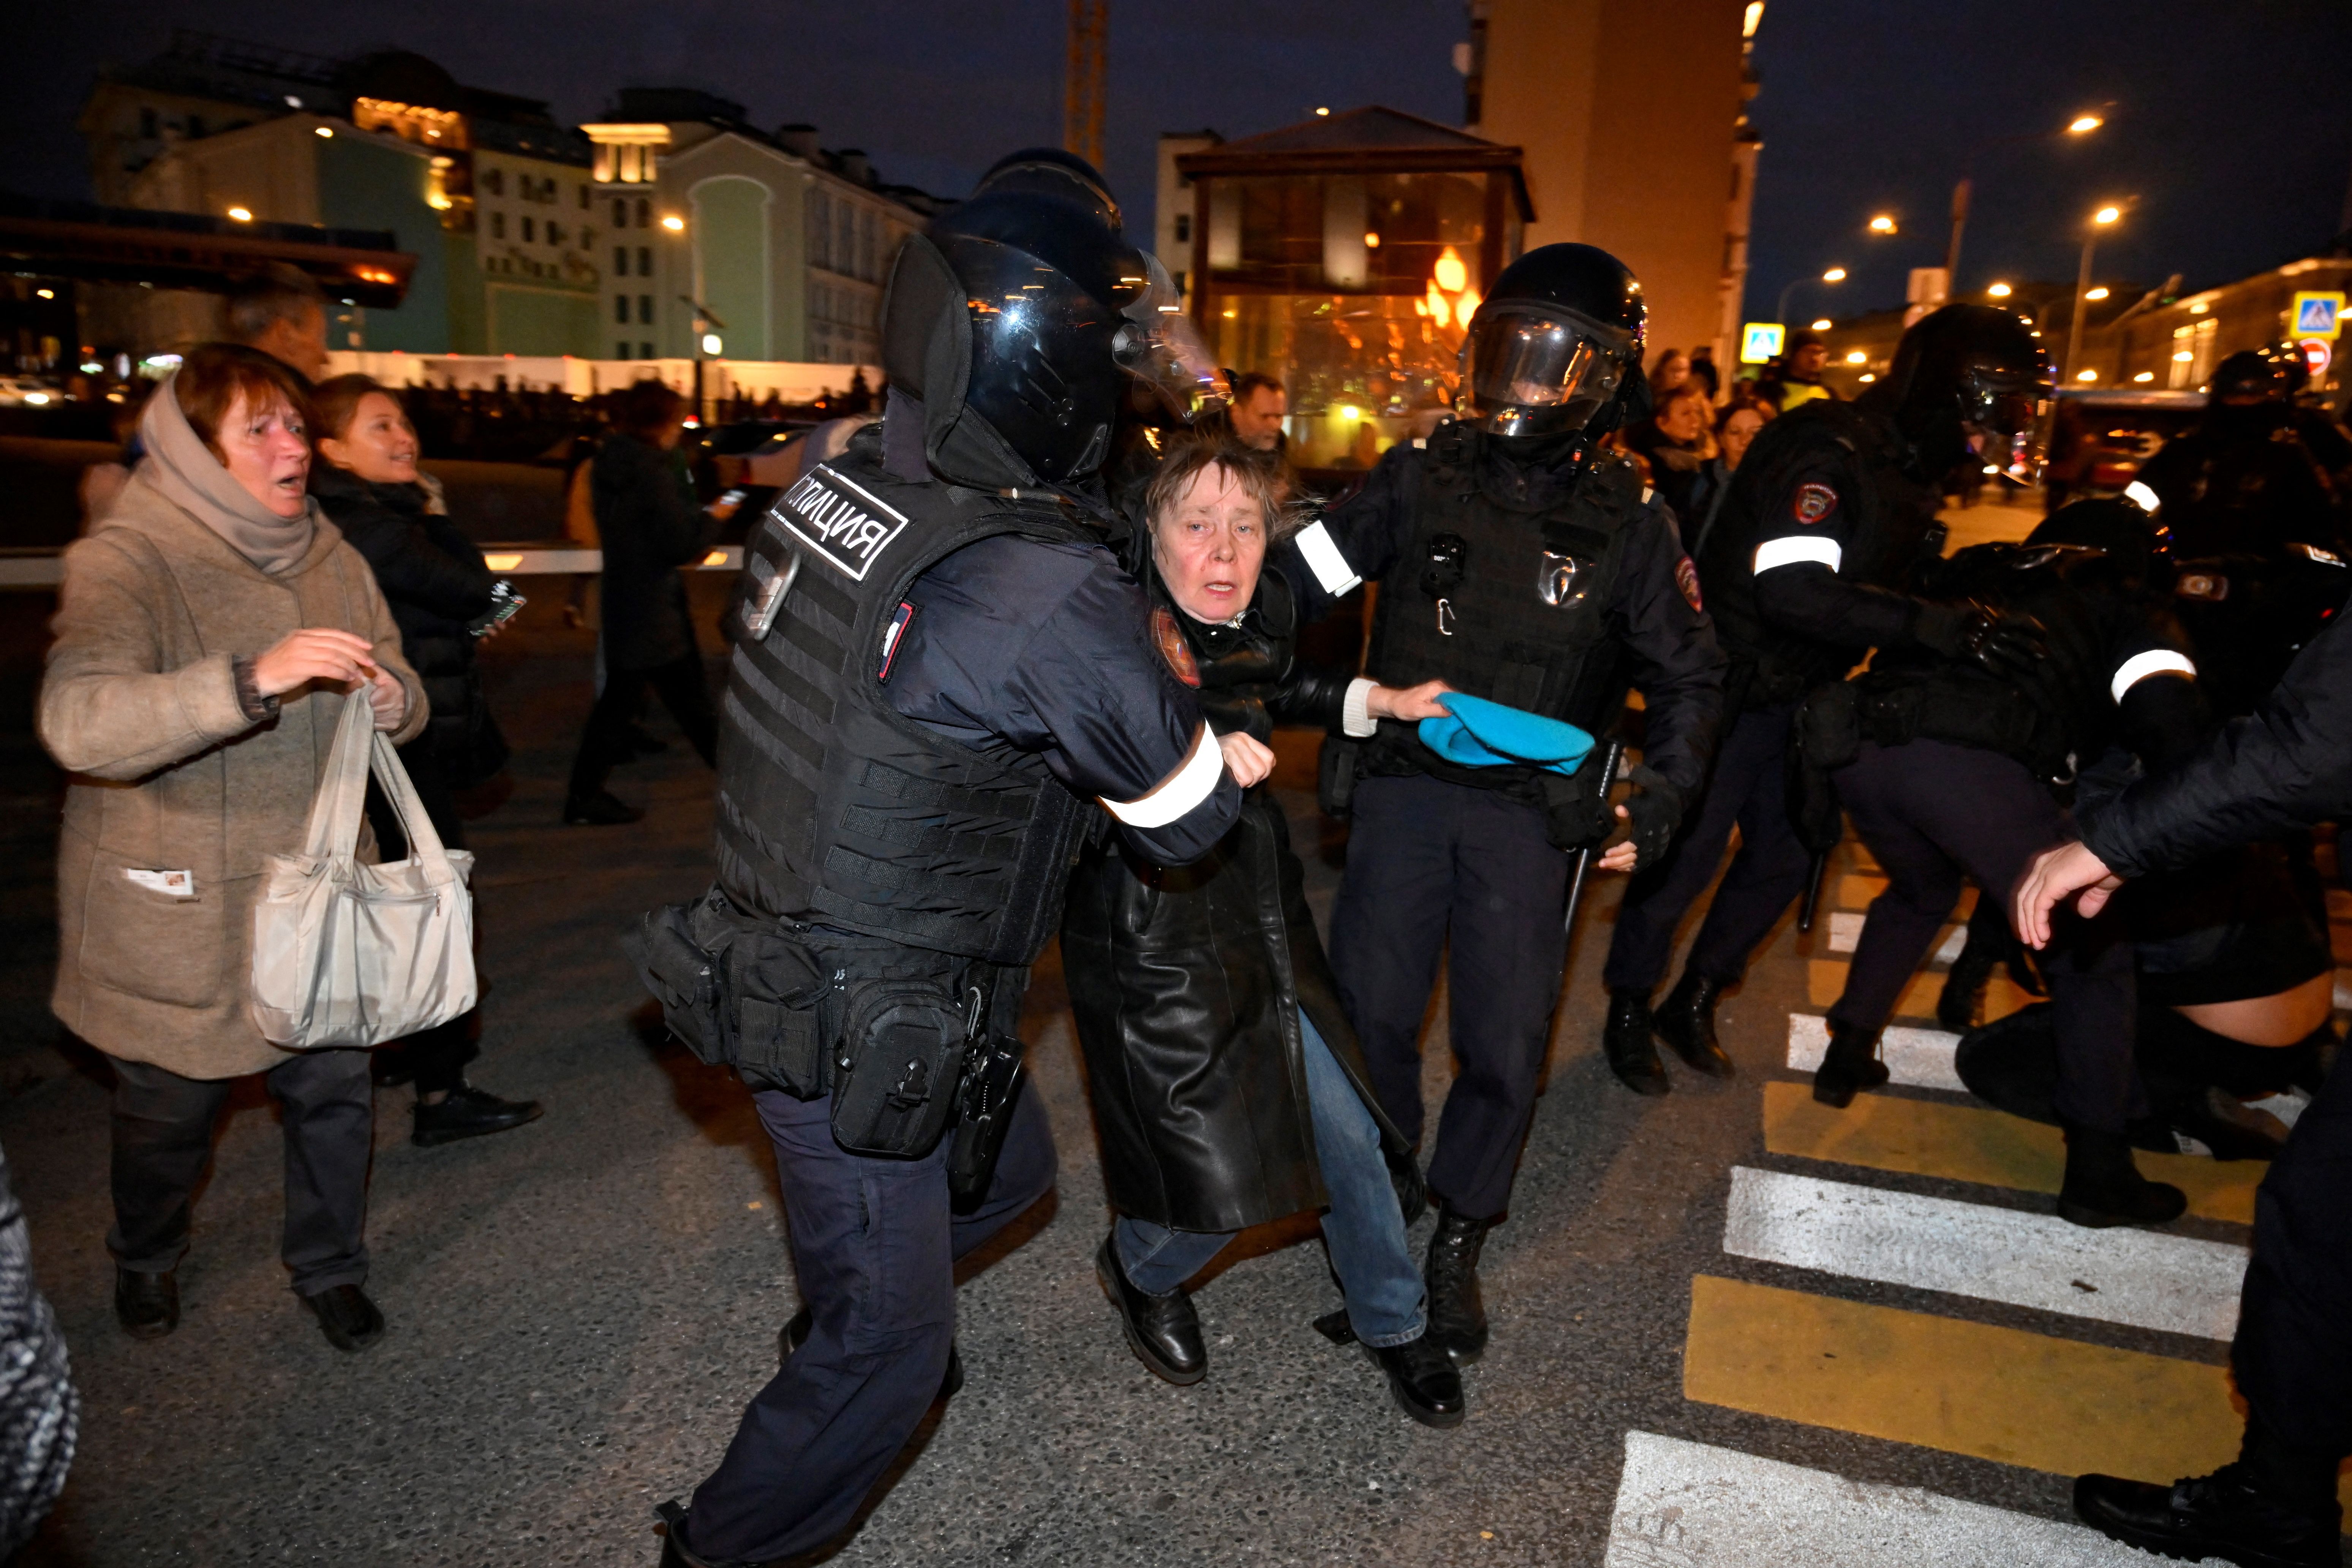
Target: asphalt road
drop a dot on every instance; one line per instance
(579, 1308)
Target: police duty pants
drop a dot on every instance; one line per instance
(1429, 861)
(874, 1246)
(685, 690)
(1933, 812)
(2292, 1356)
(162, 1137)
(1748, 790)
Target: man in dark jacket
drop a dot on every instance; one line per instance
(2288, 765)
(650, 525)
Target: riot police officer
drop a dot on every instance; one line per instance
(1517, 562)
(936, 666)
(1948, 769)
(1811, 562)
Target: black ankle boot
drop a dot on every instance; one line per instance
(1457, 1314)
(1849, 1066)
(1625, 1040)
(676, 1553)
(1162, 1331)
(147, 1305)
(1423, 1379)
(1686, 1020)
(2102, 1188)
(2227, 1514)
(1964, 986)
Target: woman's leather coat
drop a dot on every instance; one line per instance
(1187, 982)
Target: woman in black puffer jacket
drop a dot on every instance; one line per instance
(436, 583)
(1228, 1089)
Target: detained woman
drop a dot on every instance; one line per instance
(440, 589)
(1228, 1089)
(208, 632)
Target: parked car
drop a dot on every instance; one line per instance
(23, 391)
(2100, 437)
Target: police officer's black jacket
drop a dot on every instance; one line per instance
(2288, 765)
(2118, 670)
(1543, 585)
(435, 582)
(2242, 483)
(1187, 983)
(951, 673)
(1816, 551)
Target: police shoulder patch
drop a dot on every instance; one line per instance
(1813, 502)
(1686, 579)
(846, 525)
(1168, 637)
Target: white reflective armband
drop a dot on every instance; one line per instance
(1323, 558)
(1795, 551)
(2155, 661)
(2142, 496)
(1356, 719)
(1179, 792)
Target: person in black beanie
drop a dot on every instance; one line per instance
(436, 584)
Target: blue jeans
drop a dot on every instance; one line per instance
(1363, 1229)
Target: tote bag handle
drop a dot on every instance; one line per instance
(359, 749)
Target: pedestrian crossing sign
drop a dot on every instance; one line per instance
(1759, 341)
(2317, 315)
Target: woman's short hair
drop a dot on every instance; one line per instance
(1723, 420)
(334, 403)
(645, 408)
(213, 378)
(1261, 474)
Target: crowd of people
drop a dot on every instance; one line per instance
(1041, 699)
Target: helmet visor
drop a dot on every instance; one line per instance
(1530, 374)
(1159, 345)
(2002, 399)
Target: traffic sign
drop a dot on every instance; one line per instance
(1759, 341)
(2317, 315)
(2317, 355)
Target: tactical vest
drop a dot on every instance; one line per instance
(1894, 532)
(1505, 604)
(835, 809)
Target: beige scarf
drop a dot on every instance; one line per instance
(181, 466)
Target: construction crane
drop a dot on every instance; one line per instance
(1082, 87)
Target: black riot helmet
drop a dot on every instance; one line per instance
(1053, 172)
(2250, 376)
(1016, 319)
(1555, 346)
(2125, 533)
(1963, 372)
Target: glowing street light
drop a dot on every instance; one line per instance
(674, 223)
(1824, 325)
(1857, 357)
(2098, 293)
(2000, 291)
(1882, 224)
(1834, 275)
(2105, 216)
(2083, 124)
(241, 215)
(1450, 273)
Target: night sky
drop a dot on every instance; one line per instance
(2231, 121)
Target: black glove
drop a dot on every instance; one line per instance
(1654, 809)
(2009, 645)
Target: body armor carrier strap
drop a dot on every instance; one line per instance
(834, 808)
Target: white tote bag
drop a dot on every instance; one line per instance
(347, 954)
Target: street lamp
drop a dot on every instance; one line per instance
(2083, 124)
(2099, 220)
(2000, 291)
(1882, 224)
(1834, 275)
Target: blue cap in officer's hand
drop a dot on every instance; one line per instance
(1477, 733)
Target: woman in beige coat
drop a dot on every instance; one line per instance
(209, 628)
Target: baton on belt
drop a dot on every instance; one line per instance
(1812, 891)
(1609, 761)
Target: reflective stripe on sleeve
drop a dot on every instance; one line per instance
(2139, 494)
(1323, 558)
(1794, 551)
(1179, 792)
(1356, 720)
(2155, 661)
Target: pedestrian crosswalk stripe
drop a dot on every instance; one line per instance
(1693, 1505)
(1916, 1058)
(1966, 1144)
(1845, 929)
(1825, 983)
(1999, 1393)
(2343, 995)
(2144, 1279)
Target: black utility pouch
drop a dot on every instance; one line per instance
(775, 988)
(1825, 736)
(900, 1064)
(687, 977)
(1336, 768)
(1576, 809)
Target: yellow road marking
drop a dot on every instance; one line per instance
(1969, 1143)
(1825, 981)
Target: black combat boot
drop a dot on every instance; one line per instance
(795, 1333)
(2103, 1188)
(2276, 1508)
(1162, 1331)
(1849, 1066)
(1423, 1379)
(1625, 1040)
(147, 1305)
(1686, 1020)
(676, 1553)
(1457, 1315)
